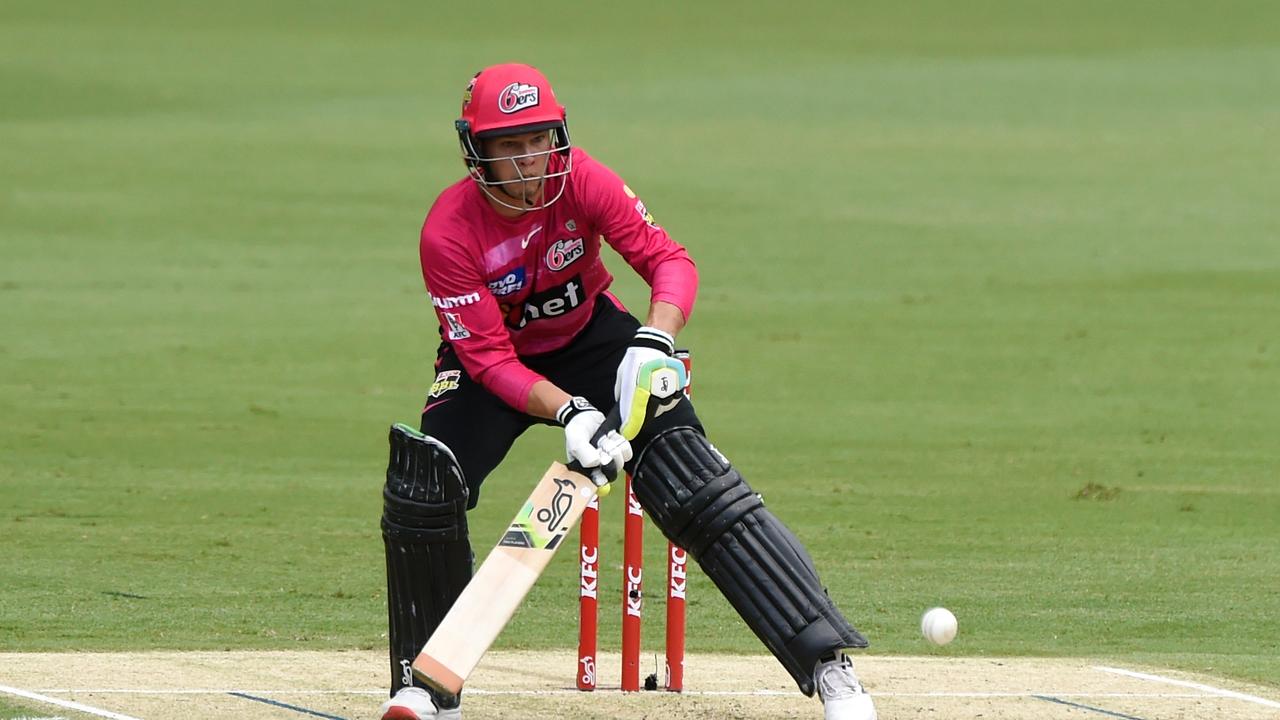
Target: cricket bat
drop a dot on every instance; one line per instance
(496, 590)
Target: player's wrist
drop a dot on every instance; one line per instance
(655, 339)
(573, 407)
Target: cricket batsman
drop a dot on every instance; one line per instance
(530, 334)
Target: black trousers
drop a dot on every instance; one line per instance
(480, 428)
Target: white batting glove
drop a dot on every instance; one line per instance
(581, 421)
(616, 447)
(648, 377)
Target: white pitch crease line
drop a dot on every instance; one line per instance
(575, 691)
(1198, 686)
(207, 691)
(64, 703)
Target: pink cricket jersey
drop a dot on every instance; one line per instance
(507, 287)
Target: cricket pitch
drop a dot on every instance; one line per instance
(351, 685)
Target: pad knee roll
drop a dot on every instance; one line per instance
(703, 504)
(691, 490)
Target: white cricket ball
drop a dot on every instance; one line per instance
(938, 626)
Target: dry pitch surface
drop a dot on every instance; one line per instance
(347, 686)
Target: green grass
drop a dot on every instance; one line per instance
(30, 710)
(10, 709)
(959, 262)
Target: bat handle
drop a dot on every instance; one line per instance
(612, 421)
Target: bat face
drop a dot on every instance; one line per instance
(542, 523)
(504, 578)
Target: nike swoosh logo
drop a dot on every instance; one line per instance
(436, 404)
(525, 243)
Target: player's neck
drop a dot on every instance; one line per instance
(509, 213)
(503, 204)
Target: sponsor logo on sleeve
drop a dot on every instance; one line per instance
(447, 380)
(562, 253)
(516, 97)
(644, 213)
(447, 303)
(457, 331)
(505, 285)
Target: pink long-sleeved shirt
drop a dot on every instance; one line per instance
(503, 287)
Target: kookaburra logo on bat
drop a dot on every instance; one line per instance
(561, 502)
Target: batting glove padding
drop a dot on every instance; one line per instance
(581, 420)
(649, 380)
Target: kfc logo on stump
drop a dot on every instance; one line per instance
(516, 97)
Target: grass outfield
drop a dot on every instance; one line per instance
(990, 310)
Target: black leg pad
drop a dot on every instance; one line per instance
(424, 532)
(701, 503)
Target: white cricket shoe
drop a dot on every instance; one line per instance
(414, 703)
(843, 697)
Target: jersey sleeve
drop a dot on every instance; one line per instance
(471, 320)
(630, 229)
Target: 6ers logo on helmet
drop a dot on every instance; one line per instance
(517, 96)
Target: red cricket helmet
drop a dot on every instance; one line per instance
(510, 99)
